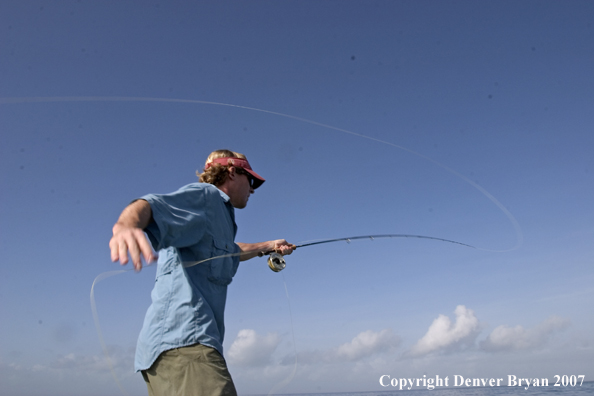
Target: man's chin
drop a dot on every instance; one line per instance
(240, 205)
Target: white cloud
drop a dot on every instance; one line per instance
(445, 336)
(364, 345)
(505, 338)
(251, 349)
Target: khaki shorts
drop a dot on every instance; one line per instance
(196, 370)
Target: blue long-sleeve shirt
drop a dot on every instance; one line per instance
(196, 222)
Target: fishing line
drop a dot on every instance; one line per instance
(276, 263)
(483, 191)
(98, 279)
(287, 380)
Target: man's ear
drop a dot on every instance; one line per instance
(231, 173)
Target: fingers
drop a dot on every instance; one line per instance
(147, 251)
(287, 249)
(134, 252)
(283, 247)
(123, 252)
(132, 242)
(113, 250)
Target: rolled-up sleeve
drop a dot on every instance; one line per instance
(179, 219)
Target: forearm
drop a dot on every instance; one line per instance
(251, 250)
(136, 215)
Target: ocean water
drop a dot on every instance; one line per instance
(587, 388)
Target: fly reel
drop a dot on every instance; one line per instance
(276, 262)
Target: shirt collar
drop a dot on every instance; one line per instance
(223, 195)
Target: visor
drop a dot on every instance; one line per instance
(240, 163)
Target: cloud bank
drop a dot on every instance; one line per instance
(505, 338)
(444, 335)
(72, 374)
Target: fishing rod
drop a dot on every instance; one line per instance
(277, 263)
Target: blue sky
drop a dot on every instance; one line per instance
(499, 92)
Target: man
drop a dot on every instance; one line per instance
(180, 346)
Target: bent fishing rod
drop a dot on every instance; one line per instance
(277, 263)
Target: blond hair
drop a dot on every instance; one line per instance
(216, 173)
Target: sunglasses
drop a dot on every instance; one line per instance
(241, 171)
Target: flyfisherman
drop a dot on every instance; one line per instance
(180, 346)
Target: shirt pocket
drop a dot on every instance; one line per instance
(168, 260)
(222, 270)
